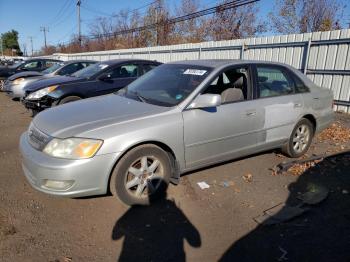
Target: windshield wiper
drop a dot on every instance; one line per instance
(140, 97)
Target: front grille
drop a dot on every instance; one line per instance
(37, 139)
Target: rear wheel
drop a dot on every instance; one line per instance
(300, 139)
(69, 99)
(141, 175)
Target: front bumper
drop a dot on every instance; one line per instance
(89, 176)
(14, 91)
(40, 104)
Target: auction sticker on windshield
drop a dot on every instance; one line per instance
(196, 72)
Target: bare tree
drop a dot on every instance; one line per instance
(236, 23)
(301, 16)
(193, 30)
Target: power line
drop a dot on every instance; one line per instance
(93, 10)
(212, 10)
(60, 12)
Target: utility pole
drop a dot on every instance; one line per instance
(45, 30)
(31, 43)
(24, 45)
(79, 21)
(2, 47)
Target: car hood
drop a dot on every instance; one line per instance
(86, 115)
(24, 74)
(45, 82)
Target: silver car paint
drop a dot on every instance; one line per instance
(197, 137)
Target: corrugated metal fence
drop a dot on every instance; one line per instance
(323, 56)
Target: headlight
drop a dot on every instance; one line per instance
(18, 81)
(73, 148)
(42, 92)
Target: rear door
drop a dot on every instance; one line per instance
(120, 77)
(279, 106)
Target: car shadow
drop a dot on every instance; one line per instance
(155, 232)
(322, 233)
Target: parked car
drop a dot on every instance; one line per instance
(178, 117)
(99, 79)
(37, 64)
(16, 84)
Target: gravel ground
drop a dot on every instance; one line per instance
(190, 224)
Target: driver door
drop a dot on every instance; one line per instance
(227, 131)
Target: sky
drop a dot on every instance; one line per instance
(60, 16)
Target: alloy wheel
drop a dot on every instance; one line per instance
(301, 138)
(144, 176)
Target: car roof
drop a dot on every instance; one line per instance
(118, 61)
(215, 63)
(78, 61)
(42, 59)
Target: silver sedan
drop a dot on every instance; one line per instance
(178, 117)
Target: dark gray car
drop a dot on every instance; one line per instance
(178, 117)
(16, 84)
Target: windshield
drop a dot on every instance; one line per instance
(167, 85)
(90, 70)
(52, 68)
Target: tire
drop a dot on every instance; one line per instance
(300, 139)
(140, 187)
(33, 112)
(68, 99)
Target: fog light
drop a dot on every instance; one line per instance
(57, 184)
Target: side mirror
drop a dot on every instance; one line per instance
(105, 77)
(205, 101)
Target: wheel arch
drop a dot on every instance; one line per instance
(175, 176)
(312, 119)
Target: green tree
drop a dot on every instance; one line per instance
(10, 41)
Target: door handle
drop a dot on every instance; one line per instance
(250, 113)
(297, 105)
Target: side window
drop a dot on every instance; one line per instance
(148, 67)
(49, 63)
(86, 64)
(300, 87)
(123, 71)
(273, 81)
(231, 84)
(31, 65)
(70, 69)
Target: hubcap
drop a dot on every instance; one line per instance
(301, 138)
(144, 176)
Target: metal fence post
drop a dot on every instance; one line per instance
(199, 52)
(242, 52)
(306, 56)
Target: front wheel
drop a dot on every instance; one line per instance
(300, 139)
(141, 175)
(69, 99)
